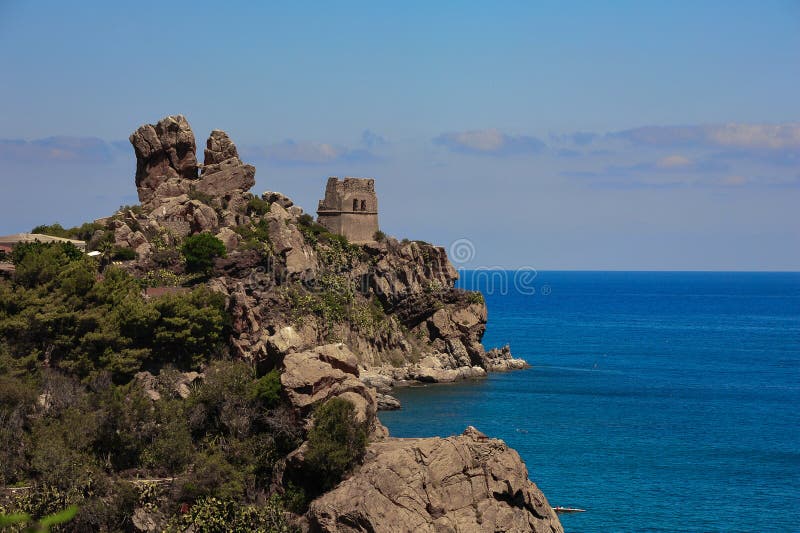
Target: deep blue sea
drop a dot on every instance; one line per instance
(664, 401)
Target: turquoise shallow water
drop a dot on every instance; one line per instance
(657, 401)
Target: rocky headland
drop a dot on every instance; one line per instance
(337, 320)
(292, 286)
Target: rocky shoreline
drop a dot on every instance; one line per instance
(430, 370)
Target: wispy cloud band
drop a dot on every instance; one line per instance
(732, 135)
(489, 142)
(60, 149)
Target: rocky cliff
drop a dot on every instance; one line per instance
(292, 285)
(338, 320)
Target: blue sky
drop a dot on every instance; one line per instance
(554, 135)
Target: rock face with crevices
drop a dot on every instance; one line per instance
(165, 158)
(314, 376)
(174, 196)
(463, 483)
(223, 172)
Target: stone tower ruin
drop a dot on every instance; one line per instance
(350, 208)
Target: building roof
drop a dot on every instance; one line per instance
(11, 240)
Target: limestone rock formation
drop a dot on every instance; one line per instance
(387, 402)
(403, 269)
(429, 331)
(288, 241)
(500, 360)
(278, 198)
(464, 483)
(223, 172)
(315, 376)
(172, 193)
(165, 157)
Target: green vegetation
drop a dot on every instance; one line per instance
(60, 312)
(267, 388)
(330, 299)
(257, 206)
(75, 424)
(255, 236)
(370, 318)
(200, 250)
(162, 277)
(84, 232)
(95, 391)
(194, 194)
(475, 297)
(222, 442)
(336, 443)
(40, 263)
(379, 236)
(307, 220)
(123, 254)
(334, 250)
(212, 515)
(135, 209)
(43, 525)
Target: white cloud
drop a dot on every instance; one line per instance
(62, 149)
(733, 181)
(673, 161)
(479, 140)
(291, 152)
(767, 136)
(489, 142)
(302, 151)
(731, 135)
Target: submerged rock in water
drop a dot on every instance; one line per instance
(464, 483)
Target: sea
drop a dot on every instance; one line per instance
(656, 401)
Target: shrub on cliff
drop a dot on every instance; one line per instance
(200, 250)
(267, 388)
(123, 254)
(215, 514)
(336, 443)
(257, 206)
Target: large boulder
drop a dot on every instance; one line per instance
(164, 151)
(464, 483)
(314, 376)
(223, 172)
(167, 174)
